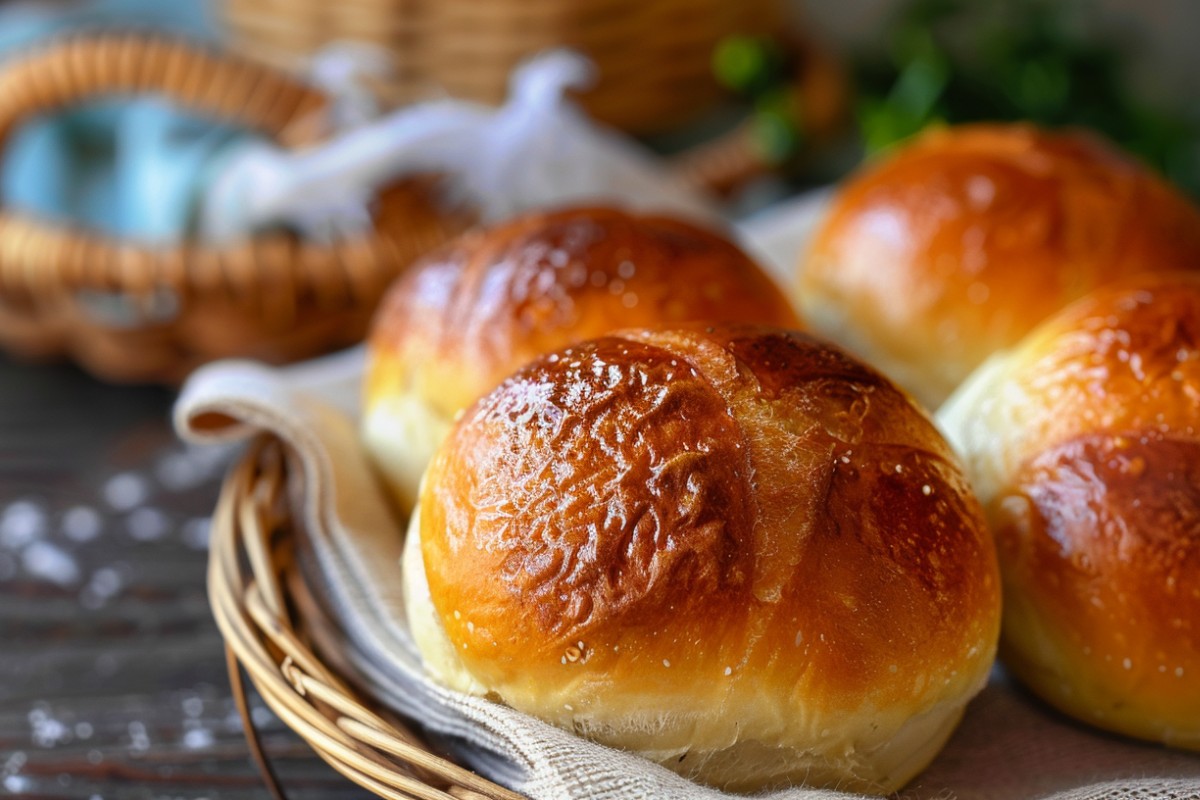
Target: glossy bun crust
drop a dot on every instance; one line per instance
(464, 318)
(1084, 444)
(736, 551)
(960, 243)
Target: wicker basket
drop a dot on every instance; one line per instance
(138, 313)
(653, 55)
(271, 623)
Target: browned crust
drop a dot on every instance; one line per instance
(959, 244)
(1101, 535)
(464, 318)
(715, 498)
(1126, 358)
(1090, 449)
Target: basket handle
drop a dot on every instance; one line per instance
(77, 68)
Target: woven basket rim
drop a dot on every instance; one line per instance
(262, 607)
(78, 67)
(137, 312)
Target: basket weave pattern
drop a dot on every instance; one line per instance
(653, 56)
(270, 623)
(130, 312)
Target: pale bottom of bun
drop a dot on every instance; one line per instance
(930, 382)
(979, 418)
(749, 765)
(402, 433)
(437, 652)
(1072, 681)
(860, 757)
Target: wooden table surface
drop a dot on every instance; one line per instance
(112, 672)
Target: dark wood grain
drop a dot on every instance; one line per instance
(112, 674)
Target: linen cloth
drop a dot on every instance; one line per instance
(1008, 747)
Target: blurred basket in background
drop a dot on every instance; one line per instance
(653, 56)
(141, 313)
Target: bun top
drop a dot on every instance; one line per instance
(1122, 362)
(465, 317)
(961, 242)
(1084, 444)
(632, 536)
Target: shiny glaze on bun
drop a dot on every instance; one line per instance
(733, 549)
(1084, 445)
(957, 244)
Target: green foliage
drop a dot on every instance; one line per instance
(759, 70)
(964, 60)
(749, 65)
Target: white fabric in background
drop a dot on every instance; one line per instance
(1009, 747)
(536, 150)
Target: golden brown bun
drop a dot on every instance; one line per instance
(960, 243)
(1084, 447)
(734, 550)
(466, 317)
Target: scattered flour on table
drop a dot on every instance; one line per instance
(46, 730)
(22, 523)
(82, 524)
(51, 563)
(147, 524)
(195, 532)
(126, 490)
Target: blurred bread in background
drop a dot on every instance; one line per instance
(1084, 446)
(463, 319)
(957, 244)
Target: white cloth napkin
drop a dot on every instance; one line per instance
(1009, 747)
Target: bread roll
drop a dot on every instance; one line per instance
(733, 550)
(466, 317)
(960, 243)
(1084, 445)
